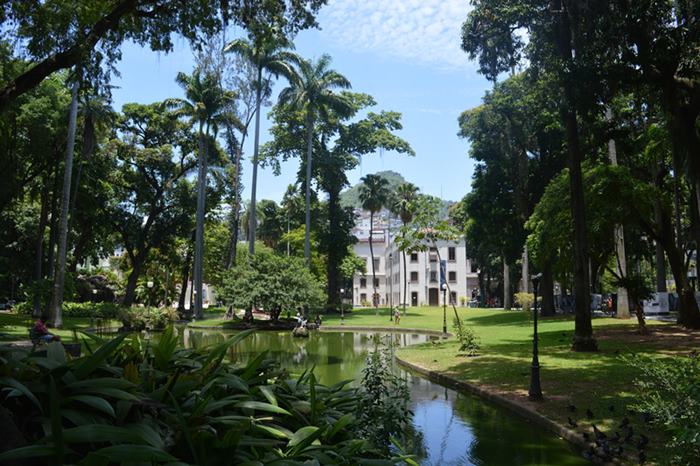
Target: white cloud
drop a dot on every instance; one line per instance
(422, 31)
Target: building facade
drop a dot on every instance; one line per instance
(422, 269)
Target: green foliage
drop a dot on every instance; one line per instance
(669, 392)
(271, 282)
(525, 300)
(73, 309)
(127, 401)
(468, 340)
(147, 318)
(384, 401)
(352, 264)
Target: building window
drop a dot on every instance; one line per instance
(376, 283)
(376, 263)
(363, 298)
(414, 277)
(414, 257)
(452, 276)
(451, 254)
(433, 276)
(363, 283)
(473, 268)
(453, 298)
(433, 254)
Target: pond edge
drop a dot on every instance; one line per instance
(513, 406)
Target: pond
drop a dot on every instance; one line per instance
(456, 428)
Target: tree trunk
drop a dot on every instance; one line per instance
(335, 255)
(252, 217)
(236, 207)
(185, 279)
(371, 253)
(199, 231)
(405, 282)
(583, 331)
(507, 303)
(525, 272)
(137, 265)
(39, 250)
(547, 290)
(309, 150)
(55, 316)
(85, 156)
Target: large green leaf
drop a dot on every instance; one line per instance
(92, 362)
(261, 406)
(31, 451)
(134, 453)
(94, 402)
(100, 382)
(16, 385)
(304, 436)
(96, 433)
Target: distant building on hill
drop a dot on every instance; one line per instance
(422, 269)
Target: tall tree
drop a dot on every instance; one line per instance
(374, 194)
(269, 53)
(204, 105)
(404, 206)
(312, 88)
(55, 315)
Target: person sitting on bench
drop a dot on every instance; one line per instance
(40, 333)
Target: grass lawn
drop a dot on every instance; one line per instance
(14, 327)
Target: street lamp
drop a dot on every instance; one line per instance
(149, 284)
(535, 392)
(342, 307)
(444, 308)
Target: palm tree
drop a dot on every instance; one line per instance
(374, 194)
(311, 89)
(267, 53)
(55, 316)
(205, 105)
(403, 206)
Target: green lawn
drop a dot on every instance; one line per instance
(14, 327)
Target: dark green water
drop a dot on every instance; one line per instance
(457, 429)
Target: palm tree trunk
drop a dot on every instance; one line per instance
(252, 218)
(371, 253)
(405, 282)
(199, 232)
(39, 251)
(185, 279)
(309, 153)
(55, 317)
(236, 207)
(85, 156)
(507, 304)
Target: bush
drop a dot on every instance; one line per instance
(72, 309)
(147, 318)
(129, 402)
(524, 300)
(670, 397)
(468, 341)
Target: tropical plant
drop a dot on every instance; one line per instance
(468, 341)
(129, 401)
(269, 53)
(204, 105)
(403, 205)
(311, 90)
(374, 195)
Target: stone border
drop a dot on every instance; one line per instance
(513, 406)
(360, 328)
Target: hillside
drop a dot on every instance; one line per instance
(351, 196)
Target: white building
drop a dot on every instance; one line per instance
(422, 271)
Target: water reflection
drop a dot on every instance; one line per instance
(455, 429)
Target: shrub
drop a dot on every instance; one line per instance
(147, 318)
(669, 395)
(524, 300)
(73, 309)
(129, 402)
(468, 341)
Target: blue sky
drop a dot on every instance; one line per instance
(405, 53)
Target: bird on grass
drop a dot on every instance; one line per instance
(589, 413)
(572, 423)
(643, 441)
(642, 457)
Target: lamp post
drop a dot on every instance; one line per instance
(149, 284)
(444, 308)
(535, 392)
(342, 307)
